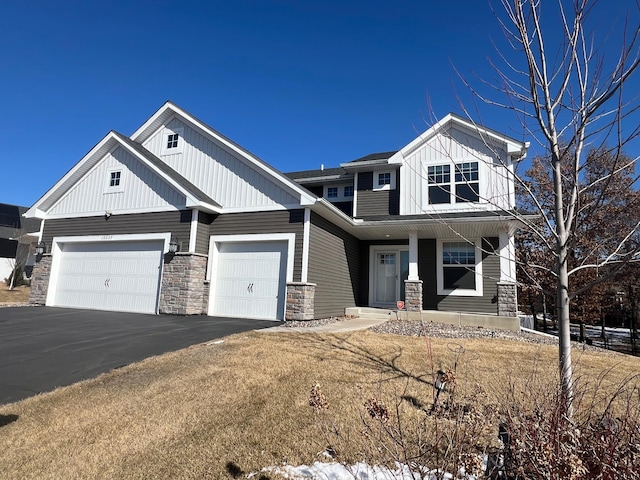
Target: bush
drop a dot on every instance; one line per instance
(20, 280)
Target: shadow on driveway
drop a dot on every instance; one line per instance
(42, 348)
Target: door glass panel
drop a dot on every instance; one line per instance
(386, 278)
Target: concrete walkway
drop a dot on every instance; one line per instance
(350, 325)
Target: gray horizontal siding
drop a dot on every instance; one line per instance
(281, 221)
(427, 270)
(334, 266)
(381, 202)
(376, 202)
(176, 222)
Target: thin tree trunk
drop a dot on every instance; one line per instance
(564, 333)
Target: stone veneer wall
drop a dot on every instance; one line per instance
(300, 301)
(507, 299)
(183, 284)
(40, 280)
(413, 295)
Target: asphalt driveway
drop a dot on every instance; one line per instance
(42, 348)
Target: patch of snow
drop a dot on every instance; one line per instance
(359, 471)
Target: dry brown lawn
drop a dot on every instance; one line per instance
(242, 404)
(17, 295)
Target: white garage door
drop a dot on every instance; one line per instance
(250, 280)
(118, 276)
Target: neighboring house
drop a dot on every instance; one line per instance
(18, 237)
(431, 223)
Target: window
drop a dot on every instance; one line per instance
(114, 180)
(387, 259)
(439, 178)
(465, 183)
(172, 140)
(332, 192)
(459, 268)
(348, 191)
(384, 178)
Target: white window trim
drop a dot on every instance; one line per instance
(340, 197)
(459, 292)
(453, 205)
(386, 186)
(118, 188)
(165, 136)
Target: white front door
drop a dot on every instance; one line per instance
(390, 269)
(250, 280)
(118, 276)
(386, 290)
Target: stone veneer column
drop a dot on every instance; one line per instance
(300, 301)
(40, 280)
(182, 290)
(507, 299)
(413, 295)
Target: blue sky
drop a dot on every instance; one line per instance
(299, 84)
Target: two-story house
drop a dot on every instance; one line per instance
(179, 219)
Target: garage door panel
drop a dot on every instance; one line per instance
(121, 276)
(250, 280)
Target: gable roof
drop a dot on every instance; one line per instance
(517, 150)
(194, 196)
(169, 110)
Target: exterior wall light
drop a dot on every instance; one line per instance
(40, 248)
(173, 245)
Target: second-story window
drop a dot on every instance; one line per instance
(467, 182)
(348, 191)
(461, 187)
(439, 178)
(114, 180)
(172, 140)
(332, 192)
(384, 178)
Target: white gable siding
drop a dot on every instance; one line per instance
(142, 189)
(454, 146)
(214, 170)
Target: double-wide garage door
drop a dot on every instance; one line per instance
(250, 280)
(118, 276)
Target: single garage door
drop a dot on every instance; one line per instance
(250, 280)
(118, 276)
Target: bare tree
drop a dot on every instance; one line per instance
(568, 92)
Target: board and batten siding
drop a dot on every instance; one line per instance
(223, 176)
(454, 146)
(334, 264)
(142, 189)
(427, 270)
(176, 222)
(279, 221)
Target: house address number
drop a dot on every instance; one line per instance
(107, 237)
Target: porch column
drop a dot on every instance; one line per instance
(413, 256)
(507, 288)
(413, 284)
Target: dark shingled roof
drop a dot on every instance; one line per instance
(327, 172)
(375, 156)
(12, 223)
